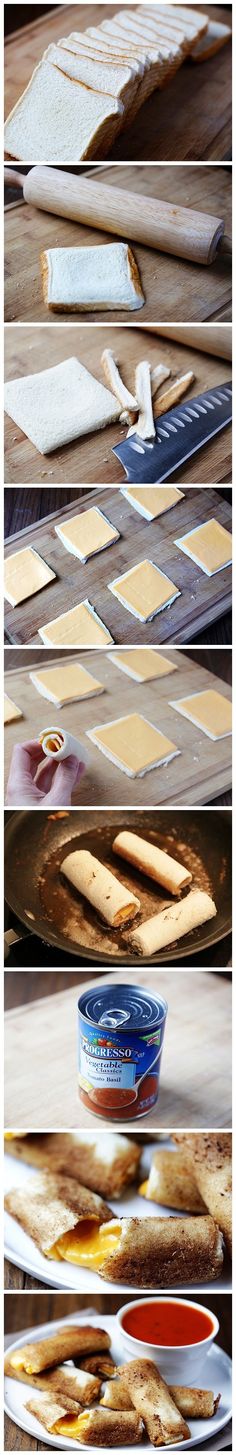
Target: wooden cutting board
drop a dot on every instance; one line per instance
(40, 1052)
(189, 120)
(90, 459)
(201, 772)
(203, 599)
(172, 287)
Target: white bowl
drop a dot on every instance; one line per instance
(179, 1365)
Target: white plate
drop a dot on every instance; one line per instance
(217, 1377)
(20, 1249)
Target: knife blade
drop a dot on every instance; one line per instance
(179, 434)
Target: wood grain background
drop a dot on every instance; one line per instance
(190, 119)
(173, 289)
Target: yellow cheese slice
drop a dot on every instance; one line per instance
(208, 710)
(144, 591)
(25, 573)
(70, 1425)
(66, 683)
(152, 501)
(143, 664)
(210, 546)
(87, 1244)
(80, 627)
(11, 712)
(133, 744)
(87, 533)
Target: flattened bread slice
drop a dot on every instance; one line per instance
(79, 280)
(59, 405)
(50, 1205)
(58, 120)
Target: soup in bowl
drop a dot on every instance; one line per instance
(176, 1333)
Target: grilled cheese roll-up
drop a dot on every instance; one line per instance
(147, 1252)
(171, 1183)
(49, 1207)
(210, 1159)
(152, 1400)
(106, 1165)
(67, 1343)
(199, 1404)
(104, 1427)
(75, 1386)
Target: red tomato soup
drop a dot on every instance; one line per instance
(167, 1323)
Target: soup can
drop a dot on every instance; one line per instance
(121, 1033)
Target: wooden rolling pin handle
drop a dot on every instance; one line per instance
(14, 179)
(157, 224)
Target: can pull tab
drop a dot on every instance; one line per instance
(114, 1017)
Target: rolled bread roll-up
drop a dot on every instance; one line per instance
(50, 1206)
(58, 744)
(52, 1412)
(113, 902)
(172, 923)
(77, 1387)
(198, 1404)
(108, 1427)
(210, 1159)
(163, 1252)
(195, 1404)
(68, 1343)
(171, 1183)
(101, 1365)
(152, 861)
(152, 1400)
(108, 1164)
(116, 1396)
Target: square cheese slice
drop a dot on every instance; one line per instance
(25, 572)
(11, 712)
(59, 405)
(142, 664)
(79, 627)
(68, 683)
(151, 501)
(210, 546)
(86, 534)
(133, 744)
(209, 710)
(144, 591)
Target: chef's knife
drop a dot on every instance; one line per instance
(179, 433)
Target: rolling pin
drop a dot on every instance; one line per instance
(173, 229)
(210, 338)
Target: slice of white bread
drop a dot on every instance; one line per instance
(212, 41)
(59, 404)
(128, 54)
(81, 42)
(192, 22)
(58, 120)
(111, 80)
(82, 279)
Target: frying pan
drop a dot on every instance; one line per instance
(37, 842)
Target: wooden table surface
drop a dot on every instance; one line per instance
(173, 288)
(40, 1051)
(203, 599)
(201, 773)
(89, 459)
(189, 120)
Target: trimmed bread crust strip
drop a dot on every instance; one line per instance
(174, 393)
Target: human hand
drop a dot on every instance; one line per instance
(38, 782)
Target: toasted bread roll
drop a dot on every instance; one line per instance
(210, 1159)
(171, 1183)
(68, 1343)
(152, 1400)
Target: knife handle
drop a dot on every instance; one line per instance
(157, 224)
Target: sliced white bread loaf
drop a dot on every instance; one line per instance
(58, 405)
(195, 21)
(58, 120)
(84, 279)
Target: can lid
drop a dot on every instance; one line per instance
(126, 1006)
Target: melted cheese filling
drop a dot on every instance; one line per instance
(70, 1425)
(87, 1244)
(19, 1363)
(143, 1188)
